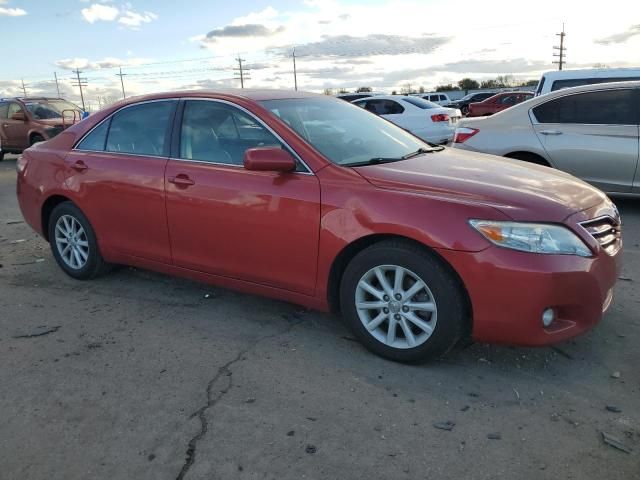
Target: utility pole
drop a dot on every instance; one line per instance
(55, 75)
(122, 81)
(561, 49)
(295, 74)
(241, 72)
(24, 90)
(81, 82)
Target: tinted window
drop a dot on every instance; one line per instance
(443, 98)
(96, 140)
(576, 82)
(420, 103)
(4, 109)
(605, 107)
(509, 99)
(142, 129)
(384, 107)
(219, 133)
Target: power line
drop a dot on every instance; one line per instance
(561, 49)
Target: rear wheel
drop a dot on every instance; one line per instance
(73, 243)
(402, 302)
(36, 138)
(465, 110)
(1, 155)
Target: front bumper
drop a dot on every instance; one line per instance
(510, 290)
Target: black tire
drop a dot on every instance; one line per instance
(95, 264)
(36, 138)
(465, 110)
(1, 155)
(447, 293)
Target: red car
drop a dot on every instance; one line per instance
(497, 103)
(312, 200)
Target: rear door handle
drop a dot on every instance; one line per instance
(181, 180)
(551, 132)
(79, 166)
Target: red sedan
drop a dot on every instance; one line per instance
(315, 201)
(497, 103)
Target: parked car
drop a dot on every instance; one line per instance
(463, 103)
(497, 103)
(558, 79)
(590, 132)
(438, 98)
(317, 202)
(25, 121)
(430, 122)
(350, 97)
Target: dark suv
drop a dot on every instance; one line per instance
(28, 120)
(463, 103)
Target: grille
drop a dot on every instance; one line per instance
(606, 231)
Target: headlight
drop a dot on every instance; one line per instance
(532, 237)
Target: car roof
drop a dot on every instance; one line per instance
(590, 88)
(590, 72)
(240, 93)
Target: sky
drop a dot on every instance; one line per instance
(191, 44)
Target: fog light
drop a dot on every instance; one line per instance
(548, 316)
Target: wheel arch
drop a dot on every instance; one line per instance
(343, 258)
(45, 212)
(531, 157)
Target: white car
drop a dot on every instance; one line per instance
(591, 131)
(558, 79)
(431, 122)
(433, 97)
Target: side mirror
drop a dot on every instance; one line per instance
(269, 159)
(19, 116)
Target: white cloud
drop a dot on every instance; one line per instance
(125, 16)
(132, 19)
(10, 12)
(108, 62)
(96, 12)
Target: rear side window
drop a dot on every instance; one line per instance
(97, 139)
(606, 107)
(384, 107)
(142, 129)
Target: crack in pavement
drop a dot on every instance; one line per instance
(224, 370)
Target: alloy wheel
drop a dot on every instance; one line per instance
(396, 306)
(72, 242)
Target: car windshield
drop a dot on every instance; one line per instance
(342, 132)
(48, 109)
(468, 97)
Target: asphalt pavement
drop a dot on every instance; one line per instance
(137, 375)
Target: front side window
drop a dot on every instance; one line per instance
(142, 129)
(4, 110)
(50, 109)
(220, 133)
(342, 132)
(606, 107)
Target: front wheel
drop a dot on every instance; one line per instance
(36, 138)
(402, 302)
(73, 243)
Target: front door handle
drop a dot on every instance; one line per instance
(79, 166)
(181, 180)
(551, 132)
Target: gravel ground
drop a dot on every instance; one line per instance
(141, 376)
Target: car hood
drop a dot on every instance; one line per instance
(520, 190)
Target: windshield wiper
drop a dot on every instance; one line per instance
(380, 160)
